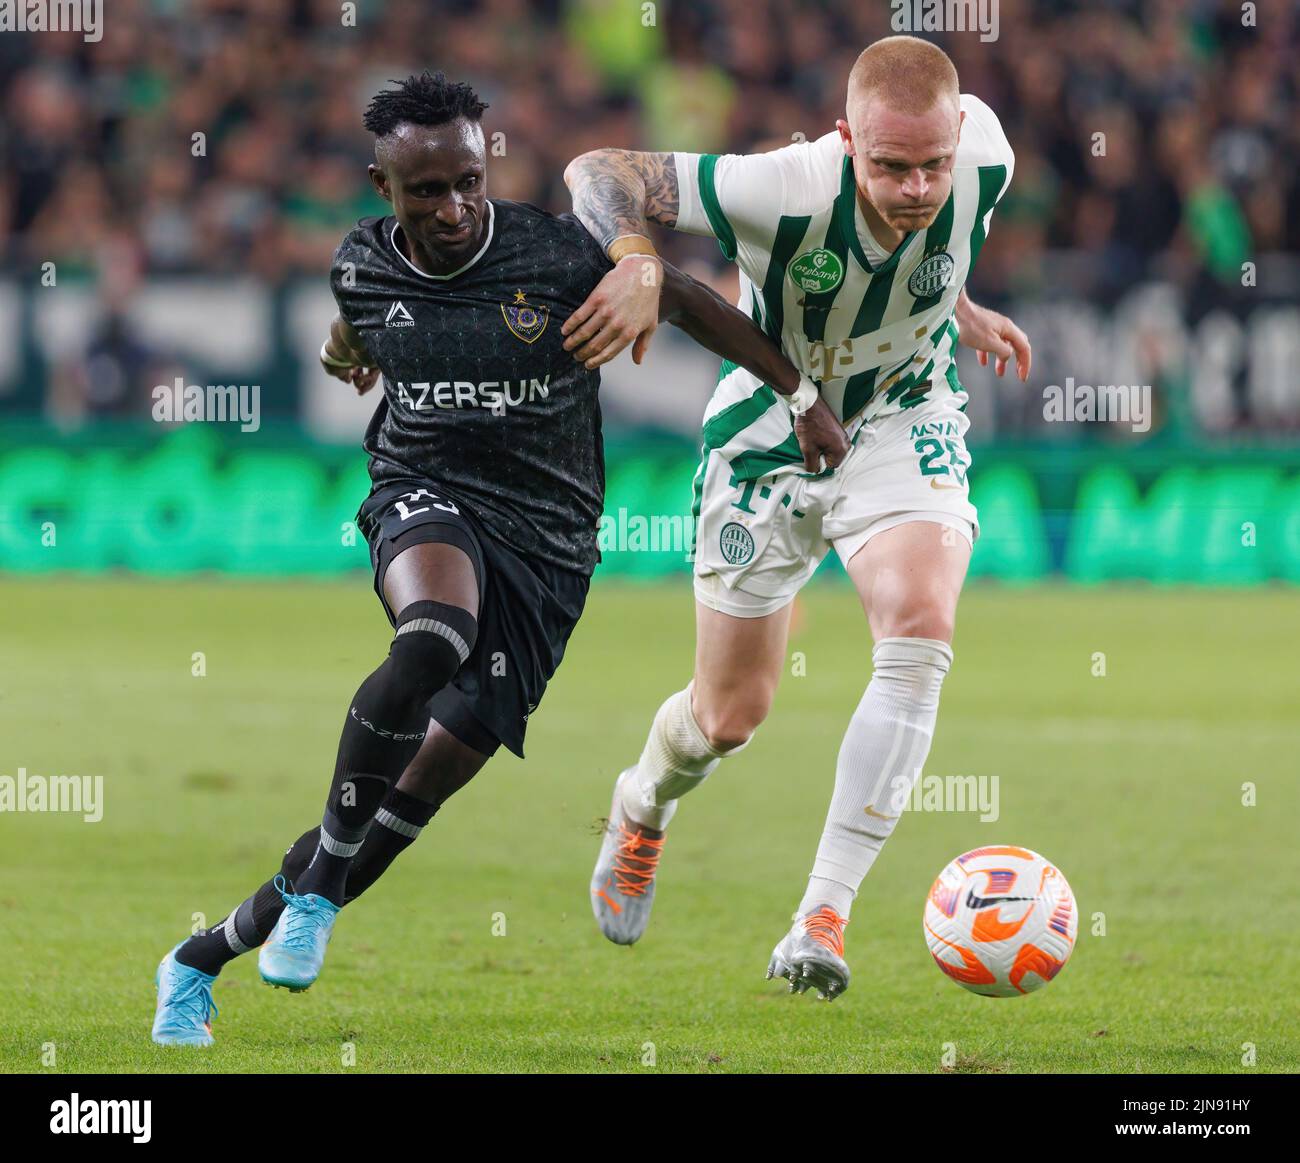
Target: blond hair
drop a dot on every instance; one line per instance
(909, 74)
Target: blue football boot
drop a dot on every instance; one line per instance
(185, 1006)
(295, 950)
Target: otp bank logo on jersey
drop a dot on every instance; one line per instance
(816, 271)
(398, 316)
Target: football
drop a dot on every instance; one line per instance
(1001, 921)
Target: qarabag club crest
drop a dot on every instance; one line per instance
(525, 321)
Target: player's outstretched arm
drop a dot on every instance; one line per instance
(616, 194)
(988, 332)
(714, 323)
(344, 356)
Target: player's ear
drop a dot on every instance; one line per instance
(846, 136)
(379, 180)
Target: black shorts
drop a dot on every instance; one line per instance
(527, 610)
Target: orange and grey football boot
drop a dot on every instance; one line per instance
(623, 883)
(811, 954)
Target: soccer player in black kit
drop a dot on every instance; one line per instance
(488, 481)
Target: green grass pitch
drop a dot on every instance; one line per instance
(1131, 782)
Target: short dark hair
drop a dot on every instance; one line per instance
(423, 100)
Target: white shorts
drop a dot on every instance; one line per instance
(758, 542)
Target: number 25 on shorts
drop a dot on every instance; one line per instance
(933, 452)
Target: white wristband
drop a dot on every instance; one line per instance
(803, 397)
(329, 360)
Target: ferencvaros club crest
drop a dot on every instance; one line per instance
(932, 275)
(525, 321)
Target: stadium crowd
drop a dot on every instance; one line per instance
(99, 157)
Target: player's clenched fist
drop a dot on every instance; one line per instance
(361, 378)
(821, 435)
(623, 309)
(343, 356)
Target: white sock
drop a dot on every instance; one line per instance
(677, 759)
(884, 749)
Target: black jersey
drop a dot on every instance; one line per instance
(479, 395)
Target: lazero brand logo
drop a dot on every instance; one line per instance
(816, 271)
(932, 274)
(384, 732)
(736, 543)
(102, 1116)
(399, 316)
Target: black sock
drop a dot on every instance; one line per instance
(382, 732)
(397, 824)
(250, 924)
(400, 819)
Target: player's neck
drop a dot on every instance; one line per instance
(884, 234)
(429, 261)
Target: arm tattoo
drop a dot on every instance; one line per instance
(617, 192)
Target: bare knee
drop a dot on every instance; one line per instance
(425, 780)
(441, 767)
(730, 722)
(909, 579)
(913, 609)
(920, 619)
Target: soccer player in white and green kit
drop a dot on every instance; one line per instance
(853, 251)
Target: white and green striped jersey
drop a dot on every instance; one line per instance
(875, 338)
